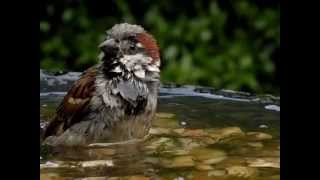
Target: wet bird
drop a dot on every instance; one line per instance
(114, 100)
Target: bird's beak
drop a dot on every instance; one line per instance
(109, 47)
(108, 42)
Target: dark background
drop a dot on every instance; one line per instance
(220, 43)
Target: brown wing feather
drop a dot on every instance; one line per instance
(74, 104)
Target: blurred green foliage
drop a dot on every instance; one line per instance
(220, 43)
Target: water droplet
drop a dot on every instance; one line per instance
(183, 123)
(263, 126)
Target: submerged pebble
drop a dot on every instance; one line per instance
(188, 143)
(51, 176)
(138, 177)
(133, 177)
(152, 160)
(193, 133)
(97, 163)
(255, 144)
(268, 153)
(160, 131)
(203, 167)
(258, 136)
(176, 152)
(224, 133)
(217, 173)
(179, 161)
(274, 177)
(93, 178)
(161, 144)
(264, 162)
(208, 156)
(179, 178)
(114, 178)
(178, 131)
(241, 171)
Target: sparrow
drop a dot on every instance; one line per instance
(116, 99)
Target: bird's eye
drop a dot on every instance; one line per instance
(132, 46)
(132, 38)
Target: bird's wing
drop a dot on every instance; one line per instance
(74, 104)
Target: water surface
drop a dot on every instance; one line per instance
(199, 133)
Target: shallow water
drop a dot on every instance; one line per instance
(199, 133)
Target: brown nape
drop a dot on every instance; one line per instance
(150, 44)
(73, 105)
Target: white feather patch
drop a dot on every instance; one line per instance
(158, 63)
(117, 69)
(139, 45)
(153, 68)
(137, 67)
(140, 74)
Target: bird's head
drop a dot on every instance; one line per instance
(129, 49)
